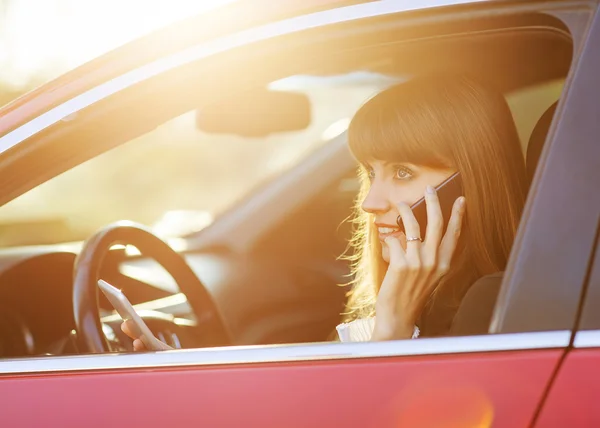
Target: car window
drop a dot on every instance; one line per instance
(529, 104)
(178, 179)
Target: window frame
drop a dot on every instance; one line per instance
(235, 356)
(533, 339)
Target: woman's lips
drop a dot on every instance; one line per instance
(384, 232)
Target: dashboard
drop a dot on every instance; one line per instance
(283, 287)
(262, 300)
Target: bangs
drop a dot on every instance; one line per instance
(390, 128)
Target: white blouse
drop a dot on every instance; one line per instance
(361, 330)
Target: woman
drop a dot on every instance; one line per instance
(408, 139)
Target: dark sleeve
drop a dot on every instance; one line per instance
(476, 308)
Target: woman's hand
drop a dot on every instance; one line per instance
(129, 329)
(413, 273)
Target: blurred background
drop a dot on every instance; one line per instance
(176, 178)
(40, 40)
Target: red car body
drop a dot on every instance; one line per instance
(537, 367)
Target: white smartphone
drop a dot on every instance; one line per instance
(127, 312)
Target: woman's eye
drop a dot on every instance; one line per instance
(403, 173)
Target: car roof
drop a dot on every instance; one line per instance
(229, 18)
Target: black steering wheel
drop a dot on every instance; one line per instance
(90, 337)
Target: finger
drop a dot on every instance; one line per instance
(397, 254)
(450, 239)
(138, 345)
(127, 328)
(412, 230)
(435, 220)
(395, 272)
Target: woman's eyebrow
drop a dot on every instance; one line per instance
(400, 163)
(393, 163)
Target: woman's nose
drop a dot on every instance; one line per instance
(376, 201)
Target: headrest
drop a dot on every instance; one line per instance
(537, 140)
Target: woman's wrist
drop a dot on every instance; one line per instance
(389, 330)
(391, 325)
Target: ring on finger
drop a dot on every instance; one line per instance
(413, 238)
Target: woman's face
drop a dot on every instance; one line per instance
(392, 183)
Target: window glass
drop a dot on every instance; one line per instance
(177, 178)
(529, 104)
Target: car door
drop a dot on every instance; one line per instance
(572, 399)
(493, 380)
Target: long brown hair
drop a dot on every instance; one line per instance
(448, 121)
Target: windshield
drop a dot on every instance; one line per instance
(177, 179)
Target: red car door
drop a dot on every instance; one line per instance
(573, 398)
(454, 382)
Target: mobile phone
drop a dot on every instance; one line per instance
(447, 191)
(125, 309)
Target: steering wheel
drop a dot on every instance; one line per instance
(90, 337)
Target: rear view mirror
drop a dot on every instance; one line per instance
(256, 114)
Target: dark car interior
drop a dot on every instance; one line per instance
(283, 287)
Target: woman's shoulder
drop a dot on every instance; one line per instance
(477, 306)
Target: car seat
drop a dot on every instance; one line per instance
(537, 140)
